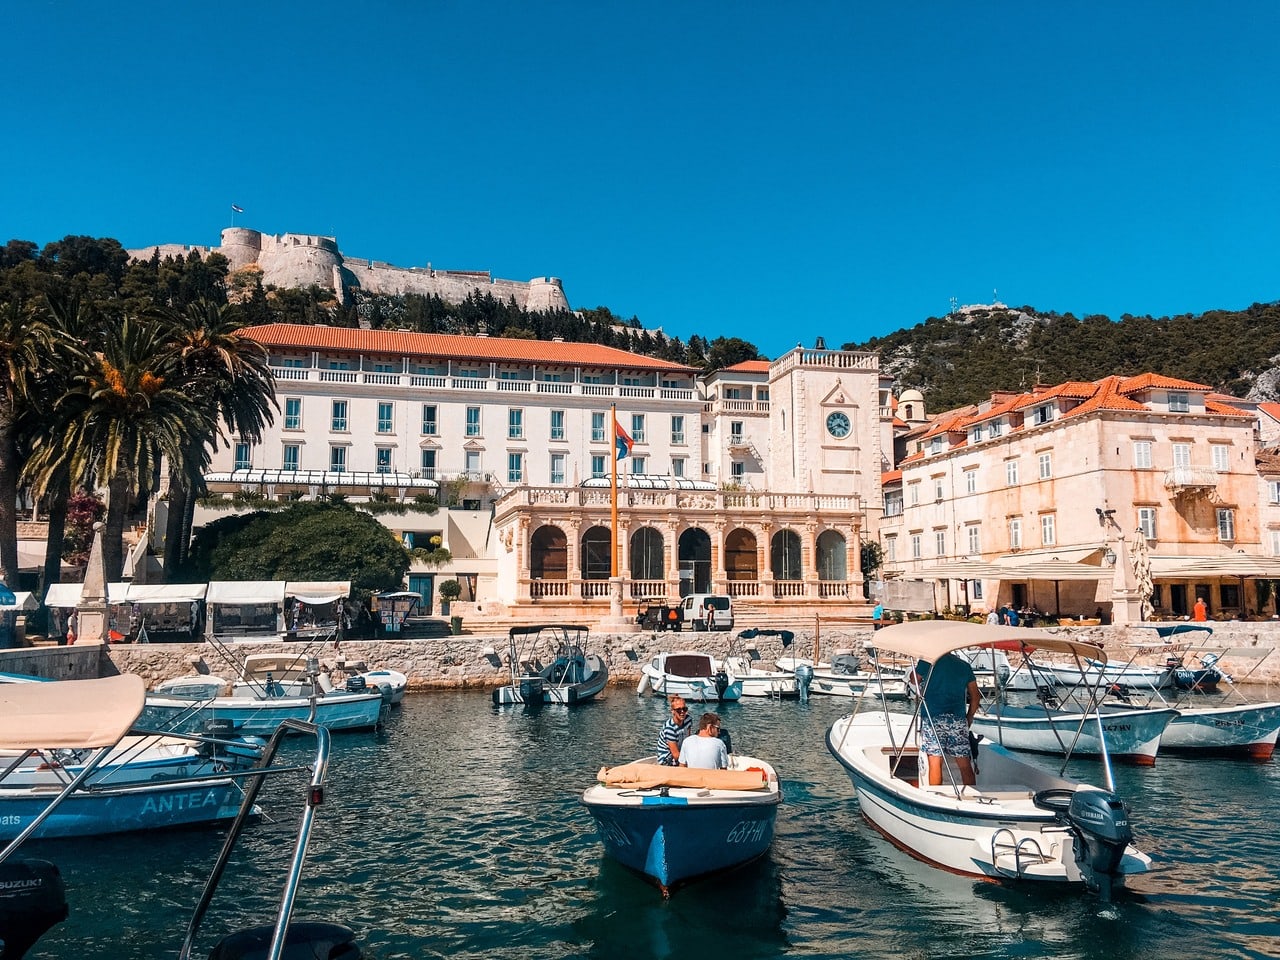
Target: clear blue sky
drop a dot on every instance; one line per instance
(769, 171)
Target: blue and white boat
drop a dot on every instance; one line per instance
(570, 675)
(690, 674)
(672, 824)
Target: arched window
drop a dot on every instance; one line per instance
(695, 561)
(832, 556)
(785, 556)
(647, 555)
(597, 557)
(549, 554)
(740, 555)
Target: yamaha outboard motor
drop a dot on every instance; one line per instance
(32, 899)
(1099, 823)
(722, 684)
(804, 677)
(306, 938)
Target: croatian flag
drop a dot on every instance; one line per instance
(237, 209)
(622, 441)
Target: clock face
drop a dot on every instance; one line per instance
(838, 425)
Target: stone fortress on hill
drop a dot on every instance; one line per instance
(296, 260)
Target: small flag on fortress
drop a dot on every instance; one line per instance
(237, 209)
(622, 441)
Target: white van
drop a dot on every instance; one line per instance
(706, 611)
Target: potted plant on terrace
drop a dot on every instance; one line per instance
(450, 590)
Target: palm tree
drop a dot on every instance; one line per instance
(122, 415)
(229, 375)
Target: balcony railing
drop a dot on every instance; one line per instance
(1192, 481)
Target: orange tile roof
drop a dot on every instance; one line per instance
(446, 346)
(1107, 396)
(1144, 381)
(1072, 390)
(890, 476)
(1272, 410)
(748, 366)
(1224, 409)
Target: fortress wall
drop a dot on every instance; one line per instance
(175, 250)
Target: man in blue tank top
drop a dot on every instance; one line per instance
(951, 698)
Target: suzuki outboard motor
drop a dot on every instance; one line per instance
(32, 899)
(804, 677)
(306, 938)
(722, 684)
(1099, 824)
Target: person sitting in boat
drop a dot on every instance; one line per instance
(705, 751)
(950, 699)
(674, 732)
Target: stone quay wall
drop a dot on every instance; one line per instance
(478, 661)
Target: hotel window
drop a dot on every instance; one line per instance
(975, 433)
(339, 365)
(597, 428)
(1043, 414)
(940, 543)
(473, 421)
(337, 459)
(290, 456)
(733, 393)
(937, 489)
(677, 429)
(737, 470)
(1181, 455)
(557, 424)
(597, 465)
(972, 532)
(994, 428)
(430, 426)
(1147, 522)
(515, 424)
(384, 418)
(1221, 457)
(1142, 454)
(637, 465)
(735, 432)
(893, 504)
(890, 549)
(293, 413)
(762, 393)
(1011, 472)
(935, 445)
(1048, 533)
(592, 378)
(557, 468)
(637, 427)
(429, 464)
(1046, 465)
(1179, 402)
(971, 481)
(1226, 524)
(294, 362)
(384, 368)
(382, 459)
(515, 468)
(473, 462)
(915, 546)
(1015, 534)
(677, 466)
(913, 492)
(508, 375)
(338, 422)
(243, 460)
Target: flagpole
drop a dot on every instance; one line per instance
(613, 493)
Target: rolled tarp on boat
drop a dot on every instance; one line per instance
(647, 776)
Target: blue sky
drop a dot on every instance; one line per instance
(775, 172)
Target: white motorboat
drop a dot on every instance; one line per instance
(741, 662)
(996, 674)
(1018, 821)
(1130, 736)
(690, 674)
(1090, 672)
(298, 675)
(569, 676)
(844, 676)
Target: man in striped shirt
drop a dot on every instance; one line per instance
(678, 726)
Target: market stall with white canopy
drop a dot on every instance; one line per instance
(314, 606)
(241, 608)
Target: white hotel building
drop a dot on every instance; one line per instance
(758, 481)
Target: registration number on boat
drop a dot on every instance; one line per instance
(747, 831)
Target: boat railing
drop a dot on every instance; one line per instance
(1027, 846)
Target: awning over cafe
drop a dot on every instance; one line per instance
(1223, 565)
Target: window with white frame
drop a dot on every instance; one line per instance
(515, 468)
(557, 468)
(1226, 524)
(1275, 543)
(515, 424)
(735, 432)
(597, 465)
(1048, 529)
(1011, 472)
(430, 426)
(1181, 455)
(429, 464)
(472, 462)
(338, 421)
(1043, 413)
(382, 459)
(971, 481)
(337, 459)
(935, 445)
(243, 456)
(385, 416)
(473, 421)
(913, 492)
(1045, 461)
(940, 543)
(1179, 402)
(1142, 454)
(1273, 488)
(637, 427)
(938, 488)
(293, 413)
(995, 428)
(291, 456)
(891, 549)
(893, 504)
(597, 427)
(1015, 533)
(975, 433)
(1147, 522)
(637, 465)
(1221, 457)
(677, 429)
(677, 466)
(557, 424)
(971, 533)
(737, 470)
(915, 546)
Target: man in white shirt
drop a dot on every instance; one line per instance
(705, 750)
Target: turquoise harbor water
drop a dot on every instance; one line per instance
(457, 832)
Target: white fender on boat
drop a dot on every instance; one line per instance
(643, 686)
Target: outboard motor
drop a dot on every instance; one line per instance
(722, 684)
(357, 684)
(1099, 824)
(306, 938)
(726, 738)
(32, 899)
(804, 677)
(531, 691)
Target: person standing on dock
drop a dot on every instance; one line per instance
(678, 726)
